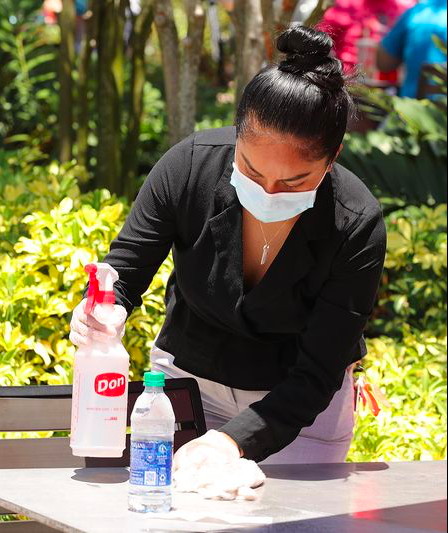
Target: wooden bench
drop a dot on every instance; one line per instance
(48, 408)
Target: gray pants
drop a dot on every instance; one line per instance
(328, 440)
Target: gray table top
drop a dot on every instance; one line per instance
(342, 498)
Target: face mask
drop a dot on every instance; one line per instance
(267, 207)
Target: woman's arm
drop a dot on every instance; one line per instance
(150, 228)
(325, 349)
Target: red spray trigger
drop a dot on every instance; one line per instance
(92, 295)
(102, 277)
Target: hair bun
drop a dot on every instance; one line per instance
(308, 56)
(305, 48)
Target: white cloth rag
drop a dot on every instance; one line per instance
(235, 480)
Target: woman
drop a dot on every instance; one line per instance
(278, 253)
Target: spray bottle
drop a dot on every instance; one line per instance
(100, 380)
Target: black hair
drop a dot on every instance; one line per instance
(305, 96)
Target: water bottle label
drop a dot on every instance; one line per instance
(151, 463)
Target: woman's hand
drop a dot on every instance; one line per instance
(212, 448)
(229, 438)
(212, 466)
(99, 325)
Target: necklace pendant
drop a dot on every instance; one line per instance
(264, 257)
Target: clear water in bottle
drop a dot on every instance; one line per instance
(152, 437)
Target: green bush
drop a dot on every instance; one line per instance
(407, 351)
(406, 156)
(412, 374)
(28, 66)
(49, 232)
(153, 128)
(414, 286)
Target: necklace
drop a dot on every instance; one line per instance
(267, 245)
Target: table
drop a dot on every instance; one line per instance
(332, 498)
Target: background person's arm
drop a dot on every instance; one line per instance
(386, 62)
(390, 54)
(326, 348)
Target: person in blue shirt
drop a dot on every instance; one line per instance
(81, 7)
(410, 43)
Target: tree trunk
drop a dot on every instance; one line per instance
(140, 35)
(192, 48)
(257, 27)
(237, 15)
(110, 92)
(169, 45)
(319, 11)
(267, 8)
(67, 21)
(85, 53)
(286, 13)
(251, 53)
(275, 22)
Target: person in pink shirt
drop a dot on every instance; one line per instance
(349, 21)
(51, 9)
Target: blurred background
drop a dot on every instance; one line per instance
(93, 92)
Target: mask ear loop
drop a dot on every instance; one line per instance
(323, 177)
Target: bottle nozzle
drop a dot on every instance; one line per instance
(101, 285)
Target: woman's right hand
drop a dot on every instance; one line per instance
(99, 325)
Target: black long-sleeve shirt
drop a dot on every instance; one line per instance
(294, 333)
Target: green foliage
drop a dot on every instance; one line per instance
(414, 286)
(412, 374)
(29, 91)
(407, 156)
(440, 76)
(28, 95)
(407, 351)
(153, 128)
(21, 11)
(216, 108)
(49, 232)
(26, 186)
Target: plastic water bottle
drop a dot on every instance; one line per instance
(152, 438)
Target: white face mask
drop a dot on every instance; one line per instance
(267, 207)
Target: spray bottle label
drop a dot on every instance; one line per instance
(110, 384)
(151, 463)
